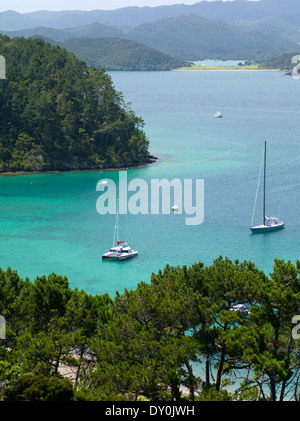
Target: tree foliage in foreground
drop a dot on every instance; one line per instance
(147, 343)
(56, 113)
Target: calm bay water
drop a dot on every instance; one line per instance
(49, 222)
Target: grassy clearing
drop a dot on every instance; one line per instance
(197, 67)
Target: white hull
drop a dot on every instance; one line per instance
(120, 253)
(128, 255)
(267, 228)
(119, 256)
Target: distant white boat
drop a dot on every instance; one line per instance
(103, 181)
(269, 223)
(218, 115)
(175, 208)
(240, 307)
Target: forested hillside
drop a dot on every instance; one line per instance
(121, 54)
(94, 30)
(185, 36)
(229, 318)
(193, 37)
(56, 113)
(282, 62)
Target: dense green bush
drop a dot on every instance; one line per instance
(40, 388)
(147, 343)
(56, 113)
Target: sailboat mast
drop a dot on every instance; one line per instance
(117, 239)
(116, 231)
(264, 199)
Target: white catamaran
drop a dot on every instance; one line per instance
(121, 251)
(269, 223)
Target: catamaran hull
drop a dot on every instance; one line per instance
(121, 252)
(128, 257)
(113, 257)
(266, 228)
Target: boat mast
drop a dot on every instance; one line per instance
(116, 231)
(117, 239)
(264, 199)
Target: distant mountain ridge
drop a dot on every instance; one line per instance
(193, 37)
(229, 11)
(93, 30)
(187, 37)
(238, 29)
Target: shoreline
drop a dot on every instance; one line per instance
(222, 69)
(152, 160)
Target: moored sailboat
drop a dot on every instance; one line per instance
(120, 251)
(269, 223)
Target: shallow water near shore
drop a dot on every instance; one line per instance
(49, 222)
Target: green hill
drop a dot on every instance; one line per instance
(271, 26)
(187, 37)
(89, 43)
(282, 62)
(121, 54)
(184, 36)
(59, 114)
(94, 30)
(193, 37)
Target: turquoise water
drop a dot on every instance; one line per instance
(49, 222)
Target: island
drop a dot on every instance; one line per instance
(58, 113)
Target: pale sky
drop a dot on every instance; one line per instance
(23, 6)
